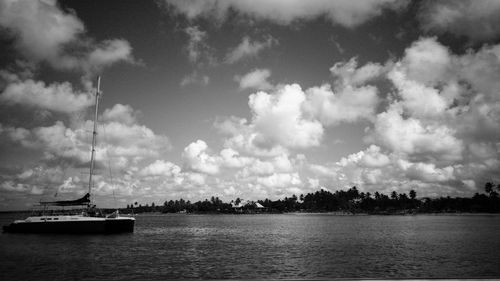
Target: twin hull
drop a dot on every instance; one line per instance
(71, 224)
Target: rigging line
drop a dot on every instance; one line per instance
(109, 167)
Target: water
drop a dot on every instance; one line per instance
(292, 246)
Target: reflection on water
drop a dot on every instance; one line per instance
(263, 246)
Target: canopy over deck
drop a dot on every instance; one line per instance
(85, 200)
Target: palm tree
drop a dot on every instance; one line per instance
(413, 194)
(488, 187)
(394, 195)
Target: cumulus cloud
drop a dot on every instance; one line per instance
(349, 74)
(426, 61)
(348, 105)
(57, 97)
(248, 48)
(477, 20)
(345, 13)
(42, 31)
(120, 138)
(412, 137)
(288, 117)
(438, 127)
(232, 159)
(371, 157)
(197, 159)
(350, 100)
(279, 118)
(427, 172)
(120, 113)
(280, 180)
(256, 79)
(160, 168)
(107, 53)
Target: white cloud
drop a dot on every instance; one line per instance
(350, 100)
(427, 172)
(107, 53)
(419, 100)
(199, 51)
(120, 113)
(41, 27)
(232, 159)
(41, 31)
(412, 137)
(198, 160)
(130, 142)
(247, 49)
(348, 105)
(256, 79)
(349, 74)
(161, 168)
(280, 180)
(346, 13)
(279, 119)
(477, 20)
(251, 143)
(196, 178)
(371, 158)
(125, 142)
(57, 97)
(427, 62)
(195, 78)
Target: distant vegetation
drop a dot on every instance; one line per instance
(348, 202)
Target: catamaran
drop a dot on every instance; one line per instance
(85, 220)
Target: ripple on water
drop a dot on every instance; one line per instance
(264, 246)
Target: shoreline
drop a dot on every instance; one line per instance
(334, 213)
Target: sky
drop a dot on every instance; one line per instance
(247, 99)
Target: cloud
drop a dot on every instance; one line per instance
(348, 105)
(412, 137)
(107, 53)
(427, 172)
(195, 78)
(419, 100)
(371, 158)
(247, 49)
(57, 97)
(349, 74)
(345, 13)
(120, 113)
(289, 118)
(160, 168)
(199, 52)
(280, 180)
(426, 61)
(44, 32)
(477, 20)
(232, 159)
(120, 138)
(256, 79)
(197, 159)
(279, 119)
(350, 100)
(42, 29)
(437, 130)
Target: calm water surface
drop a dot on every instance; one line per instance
(263, 246)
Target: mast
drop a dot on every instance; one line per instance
(94, 132)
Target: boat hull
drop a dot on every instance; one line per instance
(94, 226)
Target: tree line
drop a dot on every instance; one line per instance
(344, 201)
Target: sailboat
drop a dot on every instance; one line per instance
(89, 220)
